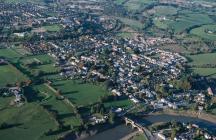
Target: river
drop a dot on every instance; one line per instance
(123, 130)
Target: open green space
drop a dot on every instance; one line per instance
(10, 54)
(119, 1)
(165, 10)
(139, 137)
(29, 121)
(65, 112)
(135, 24)
(208, 72)
(183, 22)
(23, 1)
(133, 5)
(81, 94)
(202, 59)
(119, 103)
(43, 58)
(205, 31)
(52, 28)
(49, 68)
(10, 75)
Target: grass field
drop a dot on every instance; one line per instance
(22, 1)
(139, 137)
(200, 59)
(48, 68)
(10, 75)
(133, 5)
(203, 59)
(135, 24)
(52, 28)
(184, 21)
(42, 58)
(201, 32)
(29, 121)
(65, 112)
(10, 54)
(119, 103)
(165, 10)
(208, 72)
(80, 94)
(119, 1)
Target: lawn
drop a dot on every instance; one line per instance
(29, 121)
(10, 75)
(65, 112)
(201, 59)
(203, 32)
(78, 93)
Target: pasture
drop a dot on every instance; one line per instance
(135, 24)
(164, 10)
(133, 5)
(10, 75)
(29, 121)
(206, 32)
(10, 54)
(207, 72)
(65, 112)
(201, 59)
(182, 22)
(43, 58)
(80, 94)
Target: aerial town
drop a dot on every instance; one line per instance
(73, 70)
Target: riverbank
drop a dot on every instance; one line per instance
(123, 132)
(203, 115)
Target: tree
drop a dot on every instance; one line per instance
(111, 117)
(173, 133)
(185, 85)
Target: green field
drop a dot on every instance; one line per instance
(65, 112)
(135, 24)
(184, 21)
(10, 75)
(52, 28)
(22, 1)
(139, 137)
(201, 59)
(80, 94)
(41, 58)
(29, 121)
(119, 103)
(133, 5)
(165, 10)
(119, 1)
(208, 72)
(201, 32)
(10, 54)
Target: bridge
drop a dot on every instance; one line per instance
(141, 128)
